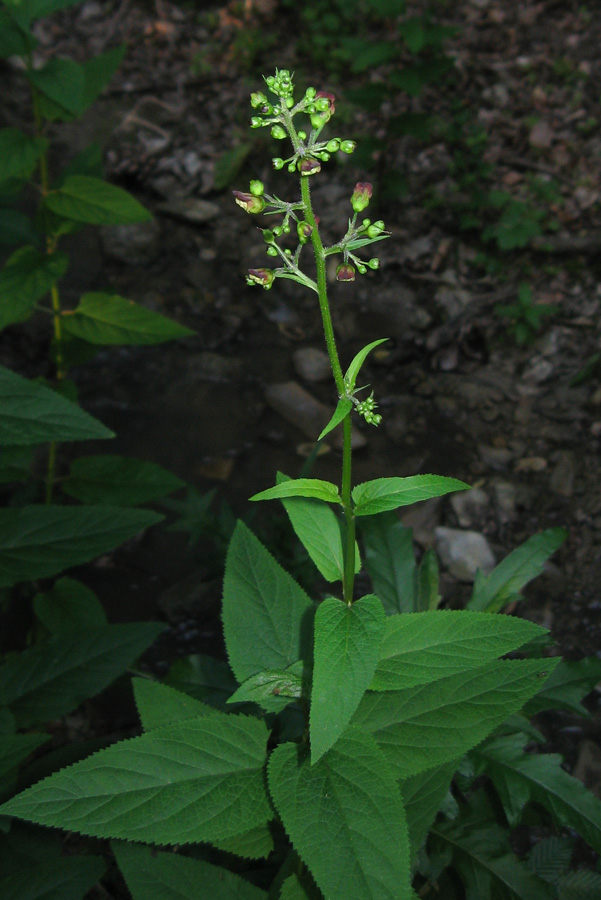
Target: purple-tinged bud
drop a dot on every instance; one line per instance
(345, 272)
(304, 232)
(264, 277)
(361, 196)
(309, 166)
(257, 99)
(324, 109)
(249, 202)
(348, 146)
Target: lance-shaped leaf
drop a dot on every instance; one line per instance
(427, 595)
(492, 592)
(25, 277)
(345, 818)
(114, 320)
(347, 643)
(31, 413)
(118, 480)
(383, 494)
(421, 647)
(520, 777)
(38, 541)
(93, 201)
(168, 876)
(353, 370)
(53, 677)
(198, 780)
(302, 487)
(390, 560)
(19, 153)
(423, 795)
(343, 407)
(158, 704)
(432, 724)
(267, 617)
(14, 41)
(67, 877)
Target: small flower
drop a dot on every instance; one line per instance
(345, 272)
(309, 166)
(249, 202)
(264, 277)
(304, 232)
(361, 196)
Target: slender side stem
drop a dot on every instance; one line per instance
(320, 262)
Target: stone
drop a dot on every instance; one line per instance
(298, 407)
(134, 244)
(311, 364)
(464, 552)
(469, 506)
(563, 475)
(189, 209)
(505, 500)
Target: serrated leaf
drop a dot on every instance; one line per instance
(460, 710)
(169, 876)
(204, 677)
(345, 818)
(347, 644)
(114, 320)
(353, 370)
(383, 494)
(158, 704)
(493, 592)
(257, 843)
(14, 748)
(567, 684)
(31, 413)
(67, 605)
(272, 689)
(423, 795)
(581, 885)
(419, 648)
(38, 541)
(93, 201)
(292, 889)
(267, 617)
(118, 480)
(65, 878)
(53, 677)
(343, 407)
(19, 153)
(389, 560)
(26, 276)
(550, 857)
(198, 780)
(302, 487)
(540, 778)
(427, 596)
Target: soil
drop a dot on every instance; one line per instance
(459, 395)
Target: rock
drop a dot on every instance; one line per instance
(294, 404)
(210, 366)
(539, 370)
(469, 506)
(495, 457)
(189, 209)
(541, 135)
(134, 244)
(312, 364)
(505, 500)
(464, 552)
(562, 476)
(530, 464)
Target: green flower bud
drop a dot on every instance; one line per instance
(324, 157)
(257, 187)
(289, 102)
(277, 230)
(278, 162)
(333, 145)
(256, 122)
(345, 272)
(291, 167)
(278, 132)
(310, 93)
(271, 251)
(302, 135)
(347, 146)
(362, 269)
(374, 263)
(257, 99)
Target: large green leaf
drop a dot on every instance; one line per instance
(65, 878)
(53, 677)
(347, 643)
(302, 487)
(110, 319)
(423, 795)
(256, 843)
(460, 711)
(67, 605)
(539, 777)
(98, 71)
(492, 592)
(26, 276)
(429, 646)
(345, 818)
(343, 408)
(267, 617)
(118, 480)
(14, 41)
(19, 153)
(272, 689)
(389, 560)
(168, 876)
(62, 81)
(38, 541)
(383, 494)
(197, 780)
(31, 413)
(82, 198)
(158, 704)
(14, 748)
(567, 684)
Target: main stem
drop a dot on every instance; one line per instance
(348, 581)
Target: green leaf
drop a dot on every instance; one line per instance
(272, 690)
(423, 795)
(567, 684)
(68, 604)
(111, 319)
(519, 777)
(31, 413)
(65, 878)
(358, 360)
(427, 596)
(14, 748)
(38, 541)
(14, 41)
(257, 843)
(95, 202)
(292, 889)
(267, 617)
(169, 876)
(493, 592)
(53, 677)
(343, 407)
(24, 279)
(581, 885)
(97, 72)
(19, 153)
(389, 560)
(302, 487)
(15, 228)
(61, 81)
(550, 857)
(389, 493)
(419, 648)
(203, 677)
(25, 11)
(460, 710)
(158, 704)
(118, 480)
(345, 818)
(197, 780)
(347, 643)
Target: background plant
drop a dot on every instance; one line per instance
(325, 767)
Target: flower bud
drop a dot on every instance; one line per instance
(347, 146)
(257, 99)
(302, 135)
(256, 122)
(278, 132)
(268, 235)
(310, 94)
(333, 145)
(361, 196)
(257, 187)
(309, 166)
(324, 109)
(345, 272)
(278, 162)
(374, 263)
(304, 232)
(264, 277)
(271, 250)
(324, 157)
(249, 202)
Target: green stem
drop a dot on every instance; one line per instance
(348, 582)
